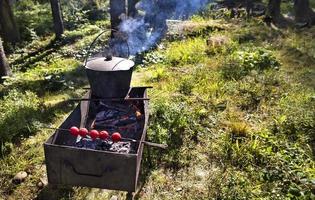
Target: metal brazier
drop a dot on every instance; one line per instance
(69, 165)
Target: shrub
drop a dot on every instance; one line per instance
(17, 115)
(241, 63)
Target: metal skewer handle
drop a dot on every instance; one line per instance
(111, 99)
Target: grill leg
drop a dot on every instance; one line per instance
(129, 196)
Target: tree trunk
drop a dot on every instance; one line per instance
(4, 65)
(9, 29)
(249, 7)
(303, 12)
(117, 13)
(273, 10)
(132, 11)
(57, 18)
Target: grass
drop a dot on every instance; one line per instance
(230, 124)
(191, 51)
(241, 136)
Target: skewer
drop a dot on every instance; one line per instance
(109, 99)
(58, 129)
(162, 146)
(148, 87)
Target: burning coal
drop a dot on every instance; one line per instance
(148, 27)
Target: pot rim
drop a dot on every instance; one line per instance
(130, 64)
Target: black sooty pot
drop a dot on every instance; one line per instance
(109, 76)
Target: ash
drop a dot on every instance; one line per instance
(118, 147)
(121, 147)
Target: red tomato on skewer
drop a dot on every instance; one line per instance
(94, 134)
(74, 131)
(104, 135)
(116, 137)
(83, 132)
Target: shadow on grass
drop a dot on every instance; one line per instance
(193, 31)
(57, 82)
(25, 62)
(303, 63)
(45, 116)
(53, 192)
(147, 166)
(25, 124)
(155, 158)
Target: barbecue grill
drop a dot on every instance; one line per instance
(70, 165)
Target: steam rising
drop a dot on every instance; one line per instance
(149, 26)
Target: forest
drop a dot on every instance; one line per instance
(232, 97)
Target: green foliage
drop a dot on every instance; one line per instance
(299, 43)
(159, 74)
(51, 76)
(257, 160)
(279, 167)
(212, 12)
(18, 115)
(238, 130)
(168, 124)
(80, 12)
(186, 86)
(244, 36)
(83, 37)
(296, 117)
(153, 58)
(217, 45)
(241, 63)
(191, 51)
(170, 120)
(33, 19)
(75, 18)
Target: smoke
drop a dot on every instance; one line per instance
(149, 26)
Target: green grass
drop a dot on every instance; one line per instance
(239, 122)
(252, 136)
(181, 53)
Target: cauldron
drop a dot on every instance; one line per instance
(109, 76)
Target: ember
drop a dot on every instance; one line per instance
(121, 117)
(118, 119)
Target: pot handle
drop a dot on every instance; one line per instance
(94, 41)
